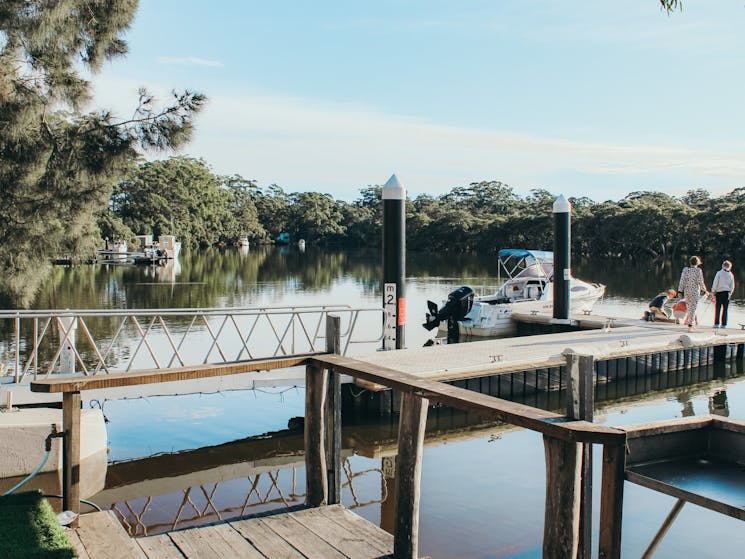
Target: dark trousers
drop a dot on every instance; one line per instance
(722, 303)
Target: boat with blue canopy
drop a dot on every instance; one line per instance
(528, 288)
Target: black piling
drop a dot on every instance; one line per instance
(562, 265)
(394, 263)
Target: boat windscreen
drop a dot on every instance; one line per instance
(536, 271)
(514, 261)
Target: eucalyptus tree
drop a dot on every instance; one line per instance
(242, 209)
(273, 207)
(177, 196)
(58, 163)
(315, 217)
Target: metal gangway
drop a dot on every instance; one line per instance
(39, 343)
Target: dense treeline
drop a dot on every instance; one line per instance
(59, 162)
(183, 197)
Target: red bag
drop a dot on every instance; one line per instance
(679, 309)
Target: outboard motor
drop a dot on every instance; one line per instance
(457, 306)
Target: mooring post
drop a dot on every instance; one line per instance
(71, 453)
(580, 404)
(412, 422)
(316, 480)
(394, 263)
(561, 518)
(333, 413)
(562, 210)
(611, 501)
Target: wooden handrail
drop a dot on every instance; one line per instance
(152, 376)
(545, 422)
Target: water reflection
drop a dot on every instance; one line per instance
(483, 484)
(265, 471)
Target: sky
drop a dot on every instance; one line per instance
(596, 99)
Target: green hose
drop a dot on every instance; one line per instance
(31, 475)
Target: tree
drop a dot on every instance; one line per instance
(242, 208)
(315, 217)
(177, 196)
(273, 207)
(58, 165)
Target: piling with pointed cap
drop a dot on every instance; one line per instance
(562, 211)
(394, 263)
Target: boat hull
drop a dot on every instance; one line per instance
(494, 320)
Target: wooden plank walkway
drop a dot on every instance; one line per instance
(330, 532)
(506, 355)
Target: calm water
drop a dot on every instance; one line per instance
(483, 484)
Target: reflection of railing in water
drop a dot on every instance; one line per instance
(201, 504)
(94, 341)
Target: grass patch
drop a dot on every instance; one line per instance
(29, 529)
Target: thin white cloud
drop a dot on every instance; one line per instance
(189, 61)
(339, 148)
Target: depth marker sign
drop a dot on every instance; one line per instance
(390, 307)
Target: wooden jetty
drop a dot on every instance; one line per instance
(330, 532)
(417, 375)
(517, 367)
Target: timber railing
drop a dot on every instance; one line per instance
(39, 343)
(567, 439)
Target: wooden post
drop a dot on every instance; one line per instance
(561, 521)
(580, 404)
(611, 501)
(71, 452)
(333, 414)
(316, 482)
(408, 475)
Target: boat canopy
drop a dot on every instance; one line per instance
(515, 260)
(521, 253)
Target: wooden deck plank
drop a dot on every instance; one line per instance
(105, 538)
(374, 535)
(347, 539)
(302, 539)
(219, 540)
(159, 547)
(266, 540)
(173, 374)
(72, 535)
(504, 355)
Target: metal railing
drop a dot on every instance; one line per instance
(210, 502)
(40, 343)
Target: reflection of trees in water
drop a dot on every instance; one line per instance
(226, 277)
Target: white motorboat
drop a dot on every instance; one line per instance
(115, 251)
(528, 289)
(157, 252)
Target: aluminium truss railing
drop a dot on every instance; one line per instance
(40, 343)
(235, 498)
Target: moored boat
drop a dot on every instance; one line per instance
(114, 251)
(157, 252)
(527, 289)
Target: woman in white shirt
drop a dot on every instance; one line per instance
(722, 289)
